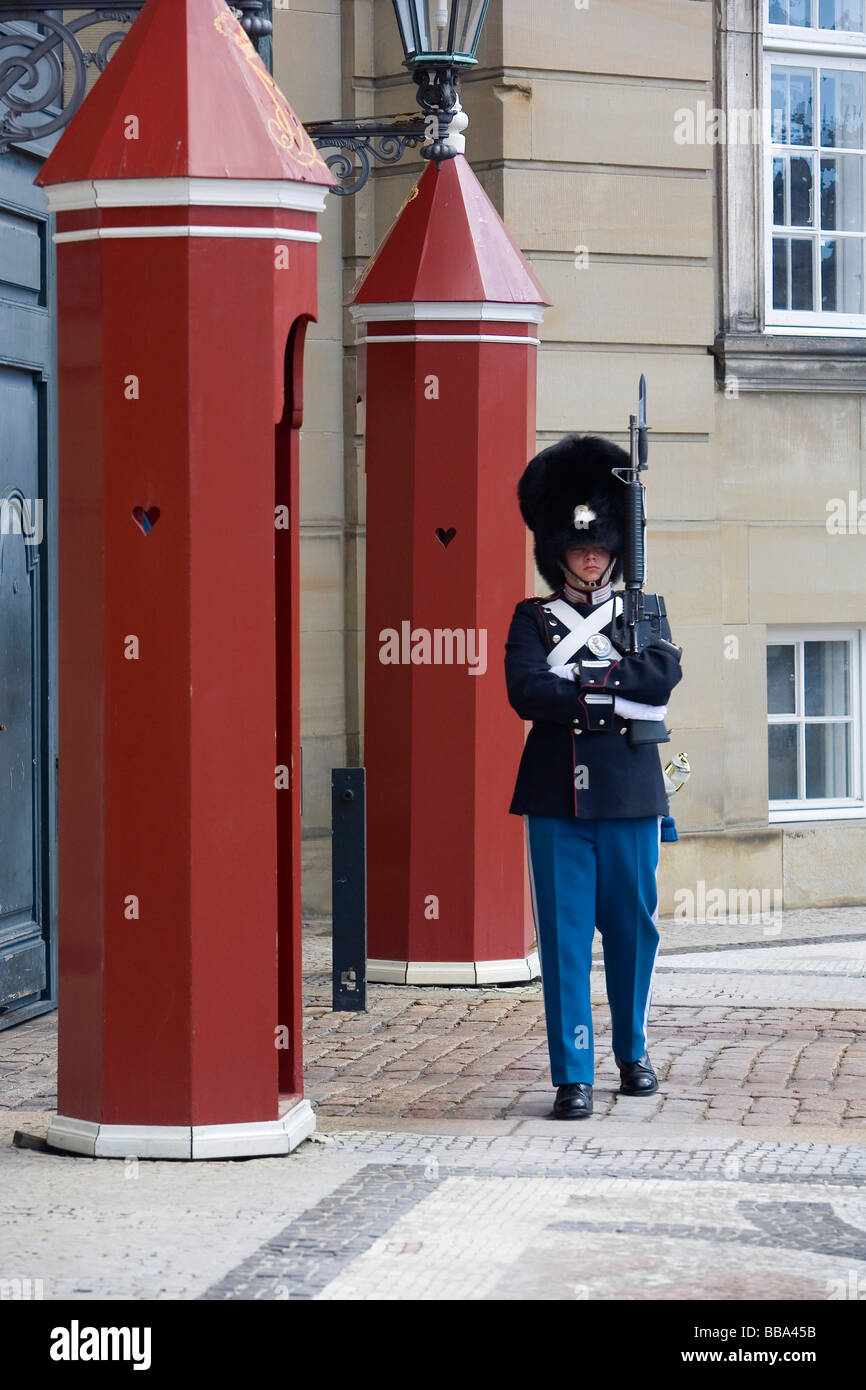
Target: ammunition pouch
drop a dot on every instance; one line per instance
(599, 711)
(591, 671)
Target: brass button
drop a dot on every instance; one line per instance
(622, 731)
(601, 721)
(556, 637)
(578, 731)
(616, 682)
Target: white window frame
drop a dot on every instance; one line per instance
(829, 808)
(795, 46)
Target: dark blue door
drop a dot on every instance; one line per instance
(27, 608)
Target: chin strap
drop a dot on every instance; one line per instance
(586, 584)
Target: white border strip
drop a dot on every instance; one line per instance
(128, 233)
(442, 972)
(183, 192)
(455, 310)
(447, 338)
(255, 1139)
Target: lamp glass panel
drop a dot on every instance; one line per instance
(440, 26)
(405, 12)
(469, 24)
(433, 22)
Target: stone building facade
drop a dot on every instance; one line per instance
(596, 131)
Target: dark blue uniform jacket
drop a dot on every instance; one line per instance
(618, 780)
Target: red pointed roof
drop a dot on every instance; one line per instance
(447, 243)
(205, 104)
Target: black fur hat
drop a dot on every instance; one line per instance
(562, 480)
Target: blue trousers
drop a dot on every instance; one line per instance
(588, 873)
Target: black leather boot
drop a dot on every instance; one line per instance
(637, 1078)
(573, 1101)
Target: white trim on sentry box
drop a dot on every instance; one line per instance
(136, 233)
(446, 338)
(184, 192)
(478, 972)
(439, 309)
(257, 1138)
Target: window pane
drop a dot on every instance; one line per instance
(780, 273)
(826, 674)
(800, 84)
(827, 760)
(839, 14)
(842, 276)
(801, 274)
(780, 197)
(779, 104)
(791, 105)
(782, 746)
(800, 12)
(801, 191)
(842, 193)
(841, 109)
(778, 11)
(781, 690)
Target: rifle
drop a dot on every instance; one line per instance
(633, 628)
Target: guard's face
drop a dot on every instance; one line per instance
(588, 561)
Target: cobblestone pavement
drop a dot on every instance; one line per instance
(437, 1174)
(775, 1033)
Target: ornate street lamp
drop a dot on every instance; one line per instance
(439, 38)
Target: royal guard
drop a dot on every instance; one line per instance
(590, 784)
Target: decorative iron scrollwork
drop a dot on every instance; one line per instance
(386, 141)
(44, 69)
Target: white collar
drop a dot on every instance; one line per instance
(592, 596)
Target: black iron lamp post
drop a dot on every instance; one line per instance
(439, 38)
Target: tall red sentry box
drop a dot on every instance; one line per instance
(186, 194)
(447, 314)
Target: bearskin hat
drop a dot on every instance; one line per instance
(568, 497)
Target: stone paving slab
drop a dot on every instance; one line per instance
(826, 974)
(127, 1228)
(839, 957)
(806, 991)
(473, 1238)
(690, 1154)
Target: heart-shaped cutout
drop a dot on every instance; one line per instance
(446, 537)
(145, 519)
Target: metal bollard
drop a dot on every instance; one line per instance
(349, 887)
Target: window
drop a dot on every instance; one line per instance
(815, 167)
(814, 739)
